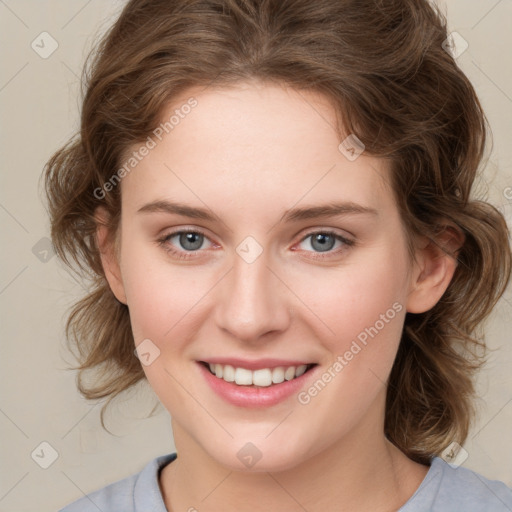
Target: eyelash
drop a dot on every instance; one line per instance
(163, 242)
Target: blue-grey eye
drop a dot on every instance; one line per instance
(191, 241)
(322, 241)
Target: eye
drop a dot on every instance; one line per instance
(325, 241)
(184, 243)
(187, 243)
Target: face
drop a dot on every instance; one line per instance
(250, 242)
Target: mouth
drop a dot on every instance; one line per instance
(258, 378)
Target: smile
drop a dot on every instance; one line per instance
(263, 377)
(256, 383)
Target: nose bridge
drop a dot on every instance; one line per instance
(253, 303)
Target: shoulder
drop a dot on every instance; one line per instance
(448, 488)
(135, 493)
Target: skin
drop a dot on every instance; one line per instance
(249, 153)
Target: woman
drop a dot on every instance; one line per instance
(273, 198)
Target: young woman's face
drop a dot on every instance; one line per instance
(295, 256)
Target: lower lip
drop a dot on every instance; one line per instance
(249, 396)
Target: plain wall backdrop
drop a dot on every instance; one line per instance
(39, 403)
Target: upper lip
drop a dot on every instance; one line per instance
(256, 364)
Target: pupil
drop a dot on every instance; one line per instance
(188, 238)
(321, 239)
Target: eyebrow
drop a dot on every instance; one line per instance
(291, 215)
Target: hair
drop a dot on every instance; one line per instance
(384, 66)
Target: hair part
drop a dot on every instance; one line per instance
(383, 66)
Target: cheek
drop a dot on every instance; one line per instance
(357, 298)
(364, 311)
(160, 296)
(163, 301)
(367, 330)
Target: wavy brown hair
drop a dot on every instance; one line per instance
(384, 66)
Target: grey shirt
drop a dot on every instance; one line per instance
(444, 489)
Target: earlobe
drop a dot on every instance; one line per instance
(434, 269)
(105, 240)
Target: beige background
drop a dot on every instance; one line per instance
(39, 402)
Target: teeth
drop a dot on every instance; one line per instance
(278, 375)
(264, 377)
(243, 377)
(229, 373)
(300, 370)
(289, 373)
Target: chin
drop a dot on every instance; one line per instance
(258, 456)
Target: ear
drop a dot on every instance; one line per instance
(434, 269)
(107, 245)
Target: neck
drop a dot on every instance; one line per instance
(362, 471)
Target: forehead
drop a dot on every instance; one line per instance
(252, 145)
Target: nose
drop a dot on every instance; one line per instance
(252, 301)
